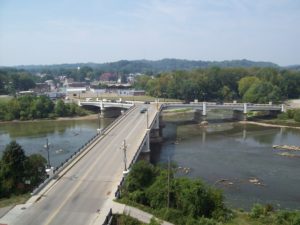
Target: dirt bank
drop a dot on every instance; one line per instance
(267, 124)
(88, 117)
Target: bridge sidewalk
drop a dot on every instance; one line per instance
(118, 208)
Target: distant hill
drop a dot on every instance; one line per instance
(149, 66)
(293, 67)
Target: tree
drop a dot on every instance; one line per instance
(16, 169)
(141, 175)
(245, 83)
(262, 92)
(60, 108)
(12, 168)
(35, 171)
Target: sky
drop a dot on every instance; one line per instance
(73, 31)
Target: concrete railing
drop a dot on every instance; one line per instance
(80, 151)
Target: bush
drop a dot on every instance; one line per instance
(297, 115)
(290, 113)
(257, 211)
(283, 116)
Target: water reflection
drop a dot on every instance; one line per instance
(240, 155)
(65, 137)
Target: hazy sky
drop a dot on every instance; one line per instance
(68, 31)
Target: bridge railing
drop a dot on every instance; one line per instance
(79, 151)
(108, 218)
(136, 155)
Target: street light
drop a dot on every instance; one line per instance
(48, 154)
(124, 148)
(147, 119)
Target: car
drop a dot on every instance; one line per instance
(143, 110)
(146, 102)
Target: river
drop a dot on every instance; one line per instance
(226, 155)
(65, 137)
(237, 158)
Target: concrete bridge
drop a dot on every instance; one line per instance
(107, 108)
(83, 192)
(239, 109)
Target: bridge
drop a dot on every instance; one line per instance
(107, 108)
(83, 192)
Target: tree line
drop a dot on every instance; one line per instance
(178, 200)
(20, 173)
(37, 107)
(181, 200)
(257, 85)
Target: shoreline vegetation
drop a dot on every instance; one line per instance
(157, 190)
(86, 117)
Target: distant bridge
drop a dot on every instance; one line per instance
(243, 107)
(107, 108)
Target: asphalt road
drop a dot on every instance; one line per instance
(80, 193)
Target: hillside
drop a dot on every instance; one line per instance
(148, 66)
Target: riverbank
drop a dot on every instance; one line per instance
(265, 124)
(87, 117)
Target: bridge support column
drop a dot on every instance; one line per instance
(203, 108)
(238, 115)
(244, 133)
(203, 135)
(146, 148)
(283, 108)
(245, 110)
(199, 117)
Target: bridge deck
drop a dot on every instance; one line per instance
(90, 183)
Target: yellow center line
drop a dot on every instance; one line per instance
(75, 188)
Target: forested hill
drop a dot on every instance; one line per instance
(148, 66)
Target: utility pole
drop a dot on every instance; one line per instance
(168, 201)
(147, 119)
(47, 149)
(124, 148)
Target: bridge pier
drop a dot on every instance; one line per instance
(146, 148)
(199, 115)
(203, 135)
(239, 115)
(110, 112)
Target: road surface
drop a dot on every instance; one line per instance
(78, 196)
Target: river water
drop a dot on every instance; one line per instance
(65, 137)
(225, 154)
(239, 159)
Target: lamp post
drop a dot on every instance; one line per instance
(124, 148)
(99, 124)
(147, 119)
(48, 154)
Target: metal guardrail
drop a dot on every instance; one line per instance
(118, 191)
(108, 218)
(75, 154)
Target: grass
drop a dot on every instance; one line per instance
(288, 122)
(14, 200)
(5, 98)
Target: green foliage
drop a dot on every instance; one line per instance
(19, 173)
(186, 198)
(154, 221)
(245, 83)
(297, 115)
(125, 220)
(259, 210)
(35, 169)
(262, 92)
(141, 176)
(30, 107)
(224, 84)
